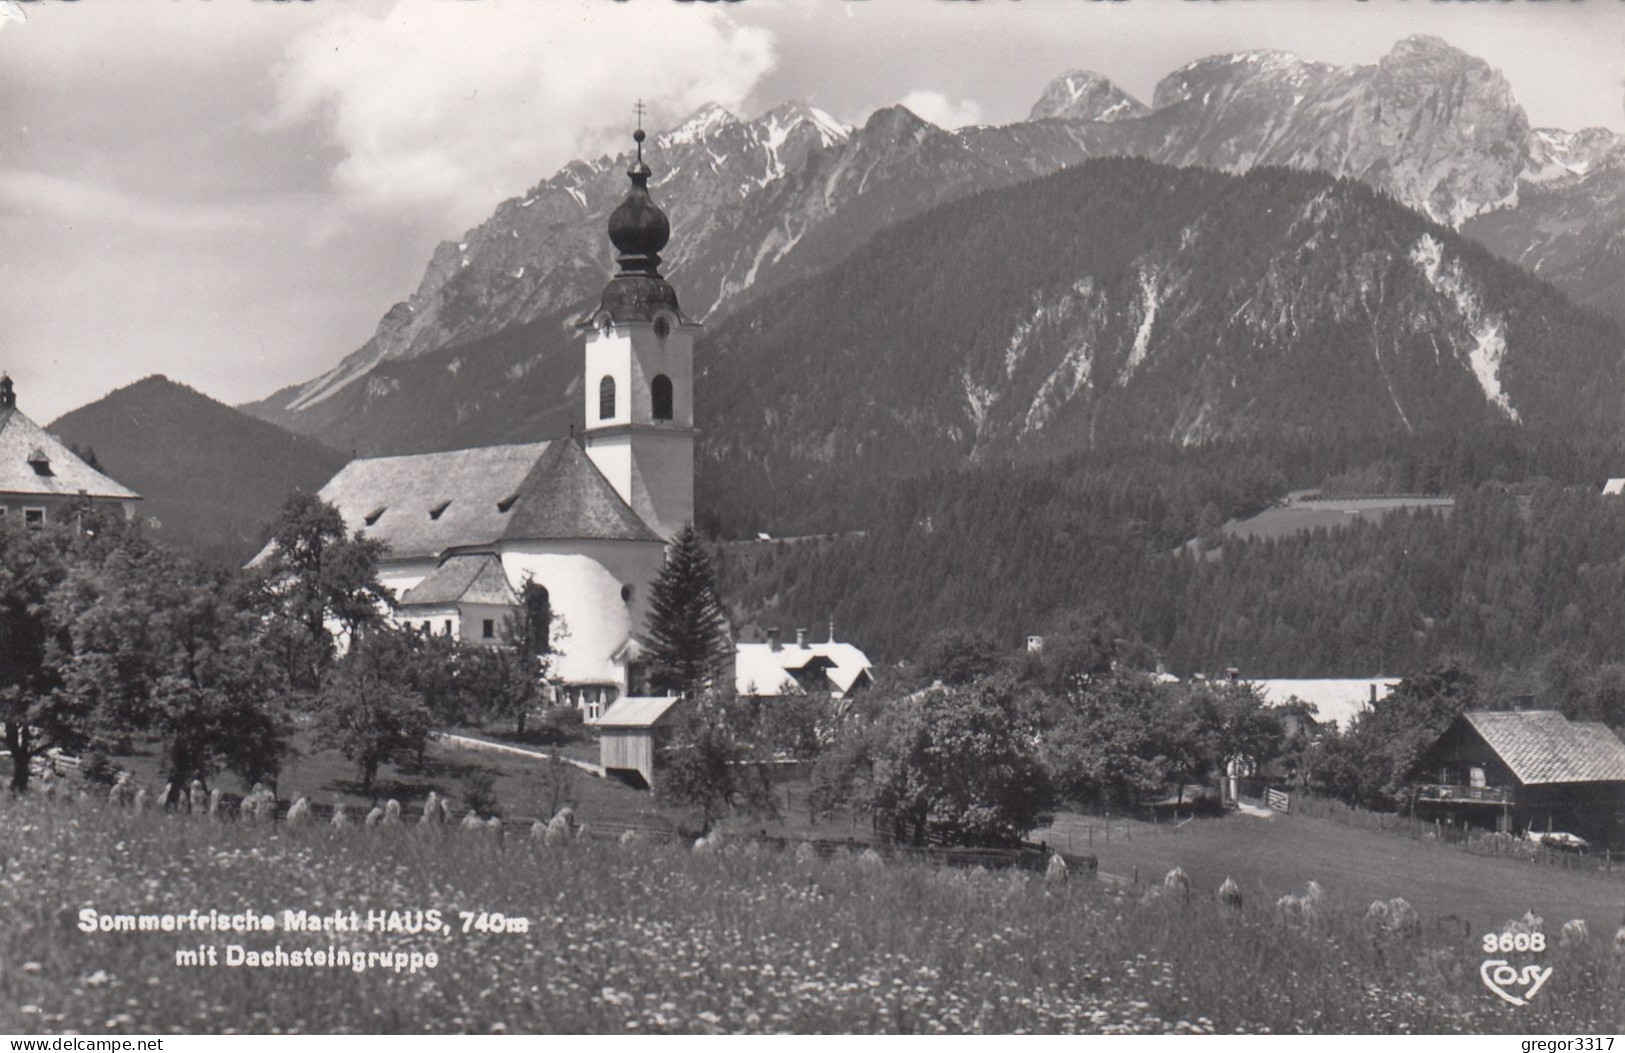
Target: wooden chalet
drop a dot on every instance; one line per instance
(1530, 770)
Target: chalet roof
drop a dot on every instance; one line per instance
(463, 579)
(1542, 746)
(24, 444)
(1338, 701)
(634, 712)
(760, 670)
(426, 504)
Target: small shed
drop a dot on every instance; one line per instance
(631, 733)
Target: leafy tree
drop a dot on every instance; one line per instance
(151, 643)
(37, 716)
(688, 631)
(1228, 726)
(367, 707)
(958, 656)
(961, 764)
(1111, 749)
(317, 574)
(1374, 763)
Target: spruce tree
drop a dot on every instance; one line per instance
(688, 632)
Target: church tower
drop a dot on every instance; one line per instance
(639, 380)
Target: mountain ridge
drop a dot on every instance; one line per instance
(758, 204)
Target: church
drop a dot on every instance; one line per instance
(584, 520)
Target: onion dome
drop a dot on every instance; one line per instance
(639, 230)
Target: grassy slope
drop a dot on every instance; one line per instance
(639, 938)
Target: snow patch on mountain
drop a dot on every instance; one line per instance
(1488, 331)
(1150, 281)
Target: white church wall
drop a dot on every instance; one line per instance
(584, 582)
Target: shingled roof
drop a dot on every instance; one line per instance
(463, 579)
(431, 503)
(565, 496)
(1542, 746)
(35, 462)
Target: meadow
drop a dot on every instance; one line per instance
(650, 937)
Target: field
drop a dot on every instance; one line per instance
(658, 938)
(1300, 515)
(1360, 865)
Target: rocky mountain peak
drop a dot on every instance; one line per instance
(894, 119)
(1265, 74)
(790, 116)
(700, 124)
(1083, 95)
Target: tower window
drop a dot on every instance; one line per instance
(606, 398)
(660, 397)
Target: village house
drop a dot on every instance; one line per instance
(1523, 771)
(1335, 701)
(41, 480)
(773, 669)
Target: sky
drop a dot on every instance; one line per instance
(233, 192)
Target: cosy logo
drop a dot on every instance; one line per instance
(1510, 983)
(1498, 976)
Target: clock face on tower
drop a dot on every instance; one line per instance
(662, 326)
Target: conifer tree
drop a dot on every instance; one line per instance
(687, 628)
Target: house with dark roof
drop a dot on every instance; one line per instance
(1527, 770)
(41, 480)
(584, 518)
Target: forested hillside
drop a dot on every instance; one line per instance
(1123, 301)
(211, 478)
(1531, 562)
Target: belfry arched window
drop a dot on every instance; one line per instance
(660, 397)
(606, 398)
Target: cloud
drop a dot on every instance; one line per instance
(941, 111)
(455, 106)
(89, 203)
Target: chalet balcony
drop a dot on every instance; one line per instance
(1464, 794)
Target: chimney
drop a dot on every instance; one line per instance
(1232, 674)
(1373, 694)
(801, 639)
(8, 397)
(773, 639)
